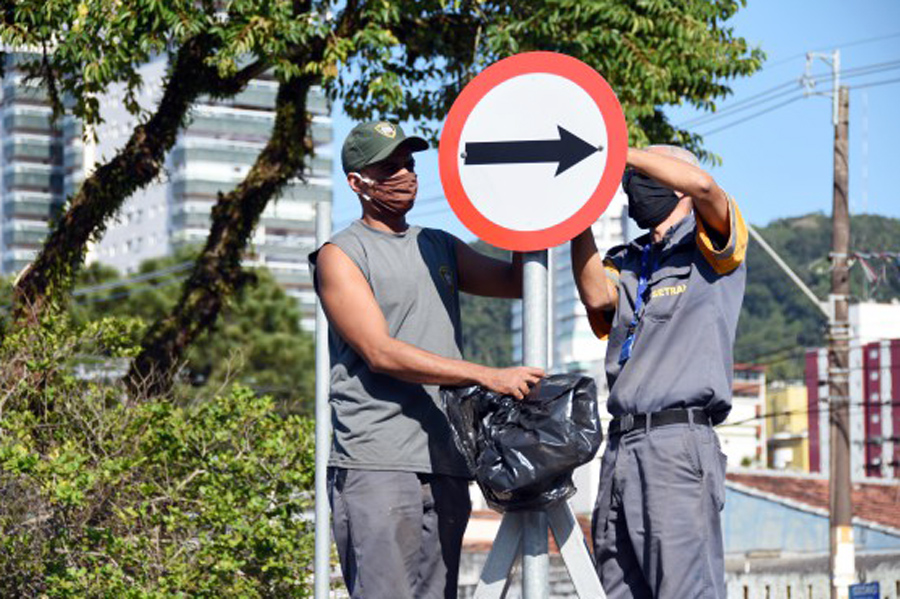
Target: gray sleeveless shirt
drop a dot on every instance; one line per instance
(380, 422)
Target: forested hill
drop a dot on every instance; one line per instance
(777, 320)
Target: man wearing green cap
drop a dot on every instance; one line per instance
(398, 487)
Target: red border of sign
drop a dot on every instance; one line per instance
(617, 135)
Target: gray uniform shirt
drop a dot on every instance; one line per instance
(380, 422)
(683, 344)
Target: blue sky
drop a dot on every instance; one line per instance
(778, 164)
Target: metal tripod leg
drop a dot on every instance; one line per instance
(506, 548)
(494, 580)
(574, 551)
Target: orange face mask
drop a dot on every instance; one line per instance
(395, 195)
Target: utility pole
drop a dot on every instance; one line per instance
(842, 550)
(843, 567)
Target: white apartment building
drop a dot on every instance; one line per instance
(211, 156)
(31, 168)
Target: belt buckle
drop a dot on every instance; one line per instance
(626, 423)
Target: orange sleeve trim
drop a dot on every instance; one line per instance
(612, 271)
(732, 255)
(600, 323)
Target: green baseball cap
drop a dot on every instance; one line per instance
(374, 141)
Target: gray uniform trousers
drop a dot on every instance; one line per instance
(398, 534)
(656, 525)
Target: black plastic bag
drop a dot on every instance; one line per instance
(523, 452)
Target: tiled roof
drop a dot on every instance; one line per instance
(877, 502)
(745, 388)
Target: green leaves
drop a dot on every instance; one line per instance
(95, 44)
(653, 53)
(258, 340)
(149, 499)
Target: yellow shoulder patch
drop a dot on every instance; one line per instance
(732, 255)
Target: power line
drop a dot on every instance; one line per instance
(769, 95)
(743, 104)
(807, 411)
(785, 103)
(140, 278)
(84, 298)
(754, 360)
(752, 116)
(875, 83)
(133, 291)
(849, 44)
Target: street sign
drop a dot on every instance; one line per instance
(533, 151)
(866, 590)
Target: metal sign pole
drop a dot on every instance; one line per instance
(535, 561)
(526, 532)
(323, 425)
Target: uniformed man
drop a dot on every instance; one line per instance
(397, 485)
(669, 303)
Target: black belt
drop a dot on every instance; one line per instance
(630, 422)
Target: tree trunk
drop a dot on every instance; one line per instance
(217, 273)
(45, 281)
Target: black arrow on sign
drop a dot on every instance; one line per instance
(568, 151)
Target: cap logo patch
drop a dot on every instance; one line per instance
(386, 129)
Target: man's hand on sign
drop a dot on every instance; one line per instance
(516, 381)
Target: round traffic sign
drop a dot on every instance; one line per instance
(533, 151)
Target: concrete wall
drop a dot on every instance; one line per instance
(752, 523)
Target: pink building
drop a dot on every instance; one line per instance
(874, 409)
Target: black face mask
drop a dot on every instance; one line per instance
(649, 203)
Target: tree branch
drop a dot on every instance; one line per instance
(102, 194)
(217, 274)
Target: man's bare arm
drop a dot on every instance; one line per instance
(710, 201)
(353, 312)
(483, 275)
(597, 292)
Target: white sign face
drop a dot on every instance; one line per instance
(530, 196)
(533, 151)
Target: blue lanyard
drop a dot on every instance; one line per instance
(647, 268)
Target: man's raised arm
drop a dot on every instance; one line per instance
(598, 292)
(709, 200)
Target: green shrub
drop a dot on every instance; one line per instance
(106, 495)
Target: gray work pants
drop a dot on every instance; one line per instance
(656, 526)
(398, 534)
